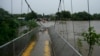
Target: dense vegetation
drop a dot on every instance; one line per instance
(82, 16)
(30, 16)
(63, 15)
(66, 15)
(9, 25)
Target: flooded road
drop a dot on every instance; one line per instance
(71, 31)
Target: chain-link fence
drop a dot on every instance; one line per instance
(17, 46)
(60, 46)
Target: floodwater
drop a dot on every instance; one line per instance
(71, 31)
(21, 29)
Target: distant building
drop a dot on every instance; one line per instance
(21, 18)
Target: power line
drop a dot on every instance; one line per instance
(89, 21)
(11, 7)
(21, 6)
(59, 6)
(58, 15)
(88, 12)
(63, 5)
(73, 24)
(12, 16)
(58, 12)
(71, 6)
(29, 6)
(66, 20)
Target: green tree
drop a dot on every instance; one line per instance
(31, 15)
(58, 15)
(4, 14)
(8, 30)
(31, 24)
(82, 16)
(64, 15)
(96, 16)
(92, 38)
(8, 27)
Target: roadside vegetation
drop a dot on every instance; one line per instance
(9, 24)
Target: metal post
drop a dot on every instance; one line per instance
(88, 11)
(73, 24)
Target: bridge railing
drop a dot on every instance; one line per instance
(60, 46)
(17, 46)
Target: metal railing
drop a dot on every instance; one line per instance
(17, 46)
(60, 46)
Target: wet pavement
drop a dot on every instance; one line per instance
(39, 48)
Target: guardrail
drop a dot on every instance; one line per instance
(60, 46)
(17, 46)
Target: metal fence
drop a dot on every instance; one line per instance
(17, 46)
(60, 46)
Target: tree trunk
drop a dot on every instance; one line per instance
(90, 50)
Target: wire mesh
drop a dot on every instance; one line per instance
(61, 46)
(17, 46)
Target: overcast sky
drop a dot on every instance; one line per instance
(50, 6)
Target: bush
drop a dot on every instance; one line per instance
(31, 24)
(92, 38)
(8, 27)
(8, 30)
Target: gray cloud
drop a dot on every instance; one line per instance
(50, 6)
